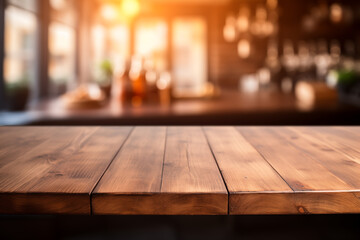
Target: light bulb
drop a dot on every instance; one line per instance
(229, 30)
(244, 48)
(229, 33)
(336, 13)
(242, 23)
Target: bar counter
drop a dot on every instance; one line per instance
(231, 108)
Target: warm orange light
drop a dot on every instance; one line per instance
(58, 4)
(109, 12)
(242, 23)
(244, 48)
(336, 13)
(230, 29)
(130, 8)
(272, 4)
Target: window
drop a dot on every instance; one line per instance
(189, 55)
(151, 42)
(64, 11)
(62, 56)
(163, 42)
(62, 46)
(55, 56)
(99, 49)
(109, 43)
(20, 40)
(30, 5)
(119, 49)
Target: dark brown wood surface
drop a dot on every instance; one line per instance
(179, 170)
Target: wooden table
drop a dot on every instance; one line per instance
(179, 170)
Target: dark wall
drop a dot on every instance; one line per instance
(225, 65)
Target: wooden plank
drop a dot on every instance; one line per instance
(344, 140)
(335, 162)
(315, 172)
(134, 176)
(245, 171)
(184, 181)
(352, 130)
(58, 175)
(284, 151)
(26, 137)
(300, 202)
(191, 170)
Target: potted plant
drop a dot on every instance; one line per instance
(17, 94)
(105, 77)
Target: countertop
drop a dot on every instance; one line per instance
(231, 108)
(179, 170)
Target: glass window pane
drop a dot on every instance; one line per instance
(119, 42)
(98, 37)
(64, 11)
(189, 55)
(30, 5)
(20, 46)
(151, 41)
(62, 55)
(109, 44)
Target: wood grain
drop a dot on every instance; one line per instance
(319, 175)
(244, 169)
(286, 151)
(136, 171)
(344, 140)
(190, 169)
(179, 170)
(337, 163)
(305, 202)
(59, 174)
(26, 137)
(142, 180)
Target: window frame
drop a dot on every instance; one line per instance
(43, 79)
(44, 18)
(38, 93)
(49, 19)
(2, 54)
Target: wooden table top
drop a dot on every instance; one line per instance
(179, 170)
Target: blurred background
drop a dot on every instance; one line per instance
(179, 62)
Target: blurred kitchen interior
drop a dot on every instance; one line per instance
(151, 62)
